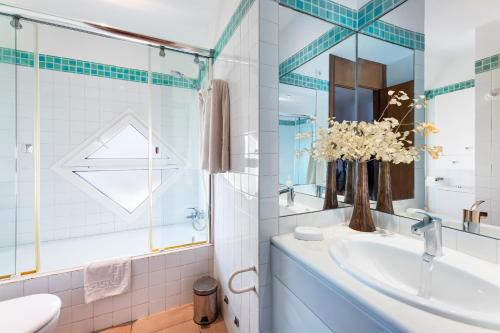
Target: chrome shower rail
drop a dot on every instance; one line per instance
(103, 30)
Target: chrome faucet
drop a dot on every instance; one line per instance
(430, 227)
(290, 197)
(197, 217)
(472, 218)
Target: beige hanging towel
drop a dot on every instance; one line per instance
(214, 109)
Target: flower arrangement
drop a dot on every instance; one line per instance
(378, 140)
(384, 140)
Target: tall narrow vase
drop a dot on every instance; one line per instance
(331, 186)
(361, 219)
(349, 183)
(384, 193)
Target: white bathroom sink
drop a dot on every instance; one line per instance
(461, 287)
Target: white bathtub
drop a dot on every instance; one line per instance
(76, 252)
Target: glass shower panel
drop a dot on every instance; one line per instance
(180, 210)
(8, 146)
(94, 148)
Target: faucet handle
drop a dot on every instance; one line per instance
(429, 217)
(476, 204)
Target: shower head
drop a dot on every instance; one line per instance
(178, 74)
(196, 59)
(162, 51)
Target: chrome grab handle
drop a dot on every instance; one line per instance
(244, 290)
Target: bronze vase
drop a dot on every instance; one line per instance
(331, 186)
(361, 219)
(349, 184)
(384, 193)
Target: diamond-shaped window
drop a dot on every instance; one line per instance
(112, 166)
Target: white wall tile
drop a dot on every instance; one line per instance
(103, 321)
(122, 316)
(59, 282)
(36, 286)
(450, 238)
(482, 247)
(81, 312)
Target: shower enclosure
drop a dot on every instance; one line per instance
(99, 144)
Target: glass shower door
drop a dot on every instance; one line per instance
(179, 187)
(8, 156)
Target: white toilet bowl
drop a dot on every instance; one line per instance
(30, 314)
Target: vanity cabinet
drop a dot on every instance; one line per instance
(319, 308)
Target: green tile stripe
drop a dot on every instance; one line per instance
(487, 64)
(394, 34)
(326, 41)
(326, 10)
(430, 94)
(300, 121)
(304, 81)
(374, 10)
(83, 67)
(231, 27)
(163, 79)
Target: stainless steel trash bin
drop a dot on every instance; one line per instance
(205, 300)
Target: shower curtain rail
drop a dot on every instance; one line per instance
(103, 30)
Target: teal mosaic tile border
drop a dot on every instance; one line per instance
(370, 13)
(487, 64)
(324, 42)
(394, 34)
(231, 27)
(300, 121)
(375, 9)
(304, 81)
(430, 94)
(83, 67)
(326, 10)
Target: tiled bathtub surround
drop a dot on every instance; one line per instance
(73, 109)
(159, 282)
(83, 67)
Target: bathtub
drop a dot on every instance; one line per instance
(76, 252)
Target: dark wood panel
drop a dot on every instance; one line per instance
(402, 175)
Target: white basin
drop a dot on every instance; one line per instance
(462, 288)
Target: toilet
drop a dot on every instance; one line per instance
(30, 314)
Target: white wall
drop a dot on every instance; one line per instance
(235, 200)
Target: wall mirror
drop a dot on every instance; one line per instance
(309, 50)
(350, 80)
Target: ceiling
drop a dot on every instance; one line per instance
(202, 21)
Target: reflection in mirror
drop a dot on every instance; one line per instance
(307, 50)
(383, 67)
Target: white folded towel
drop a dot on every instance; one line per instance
(106, 278)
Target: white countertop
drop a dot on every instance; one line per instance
(314, 256)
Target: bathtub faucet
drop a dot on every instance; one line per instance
(195, 213)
